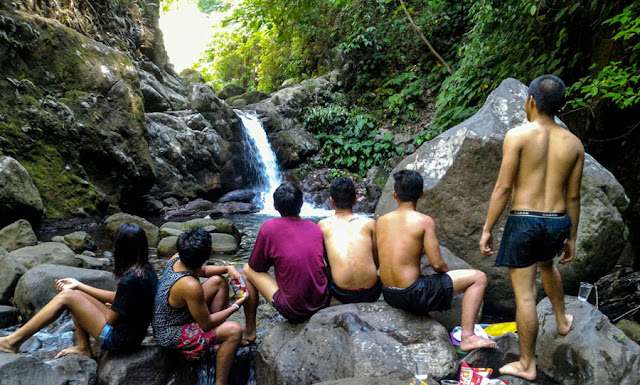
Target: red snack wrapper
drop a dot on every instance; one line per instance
(473, 376)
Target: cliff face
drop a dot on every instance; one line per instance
(78, 81)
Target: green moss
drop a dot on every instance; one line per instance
(63, 192)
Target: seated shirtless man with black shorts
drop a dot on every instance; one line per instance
(402, 236)
(350, 244)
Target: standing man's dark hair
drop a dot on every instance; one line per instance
(408, 185)
(288, 199)
(194, 248)
(343, 193)
(549, 93)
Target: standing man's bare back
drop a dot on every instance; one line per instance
(350, 244)
(541, 172)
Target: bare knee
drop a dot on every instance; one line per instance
(232, 331)
(66, 297)
(217, 281)
(480, 278)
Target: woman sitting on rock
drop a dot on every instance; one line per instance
(119, 326)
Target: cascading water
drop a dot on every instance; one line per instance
(261, 161)
(263, 167)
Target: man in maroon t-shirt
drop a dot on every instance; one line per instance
(293, 246)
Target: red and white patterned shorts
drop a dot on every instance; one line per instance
(195, 343)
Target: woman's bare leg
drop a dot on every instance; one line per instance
(89, 318)
(84, 344)
(216, 293)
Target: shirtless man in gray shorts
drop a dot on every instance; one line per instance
(350, 243)
(541, 172)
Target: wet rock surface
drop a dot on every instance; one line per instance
(20, 369)
(455, 166)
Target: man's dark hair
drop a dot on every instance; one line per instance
(408, 185)
(549, 93)
(343, 192)
(288, 199)
(194, 248)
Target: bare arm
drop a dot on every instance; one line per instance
(572, 202)
(374, 243)
(104, 296)
(192, 293)
(502, 191)
(209, 271)
(432, 248)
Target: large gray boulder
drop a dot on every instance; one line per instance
(16, 235)
(48, 252)
(191, 157)
(594, 352)
(355, 340)
(152, 232)
(20, 369)
(10, 272)
(223, 244)
(460, 168)
(150, 365)
(37, 286)
(19, 197)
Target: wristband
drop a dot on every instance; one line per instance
(236, 305)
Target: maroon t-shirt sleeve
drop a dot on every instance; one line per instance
(259, 260)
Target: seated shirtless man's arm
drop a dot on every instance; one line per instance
(432, 248)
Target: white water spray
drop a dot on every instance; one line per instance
(263, 167)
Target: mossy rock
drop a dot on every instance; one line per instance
(167, 247)
(70, 106)
(199, 223)
(631, 329)
(152, 232)
(223, 244)
(227, 226)
(169, 232)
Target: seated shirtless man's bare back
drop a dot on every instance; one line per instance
(350, 243)
(402, 236)
(541, 172)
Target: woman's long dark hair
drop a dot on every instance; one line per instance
(130, 251)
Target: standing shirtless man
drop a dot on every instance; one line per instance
(541, 172)
(350, 243)
(403, 235)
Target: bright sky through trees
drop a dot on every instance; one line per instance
(187, 31)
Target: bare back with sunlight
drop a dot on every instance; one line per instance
(403, 235)
(350, 243)
(549, 158)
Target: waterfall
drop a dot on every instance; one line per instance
(262, 167)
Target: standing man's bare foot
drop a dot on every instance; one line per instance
(6, 346)
(248, 337)
(565, 327)
(474, 342)
(517, 369)
(74, 350)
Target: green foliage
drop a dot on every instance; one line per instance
(618, 81)
(350, 140)
(521, 39)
